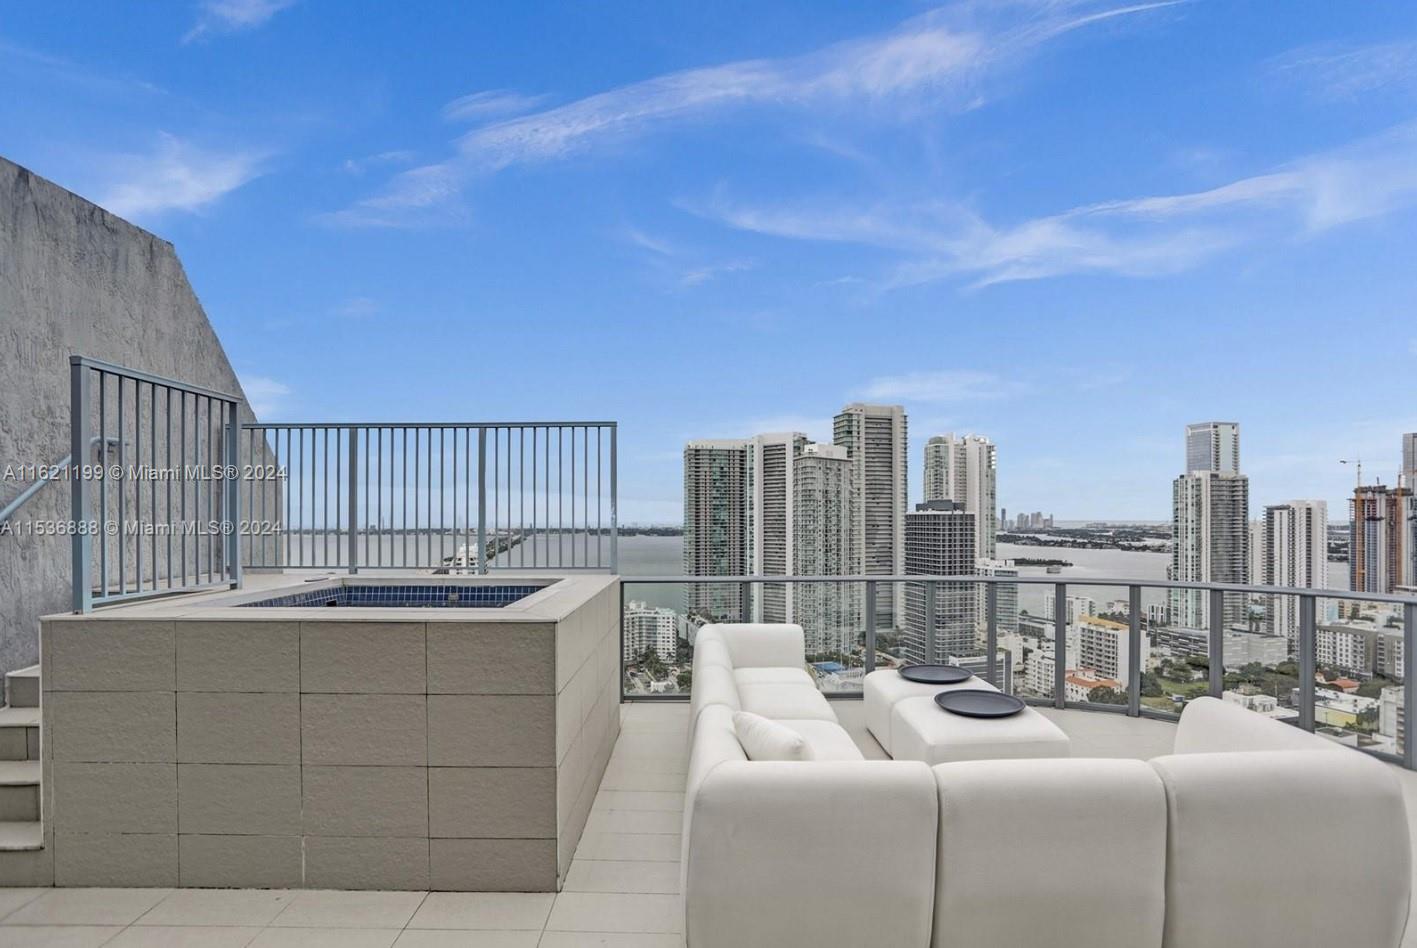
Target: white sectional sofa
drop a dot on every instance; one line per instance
(1251, 833)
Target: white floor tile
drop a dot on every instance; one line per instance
(635, 821)
(326, 938)
(219, 907)
(51, 936)
(623, 778)
(590, 875)
(147, 936)
(414, 938)
(610, 940)
(324, 909)
(86, 907)
(668, 801)
(504, 911)
(651, 847)
(11, 899)
(600, 912)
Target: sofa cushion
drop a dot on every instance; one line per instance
(772, 675)
(826, 739)
(758, 644)
(712, 685)
(711, 652)
(782, 700)
(1052, 852)
(1210, 725)
(1276, 849)
(763, 739)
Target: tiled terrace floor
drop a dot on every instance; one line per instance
(622, 891)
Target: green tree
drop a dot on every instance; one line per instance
(685, 679)
(1105, 695)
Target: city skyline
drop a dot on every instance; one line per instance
(1074, 226)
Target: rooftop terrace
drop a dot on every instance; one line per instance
(622, 890)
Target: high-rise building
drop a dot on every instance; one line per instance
(650, 628)
(1409, 461)
(1295, 543)
(774, 460)
(1382, 534)
(939, 541)
(1210, 517)
(824, 544)
(1258, 552)
(718, 491)
(1007, 602)
(1079, 608)
(1213, 446)
(1105, 647)
(875, 440)
(964, 470)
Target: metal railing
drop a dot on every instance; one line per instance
(455, 497)
(160, 511)
(1212, 639)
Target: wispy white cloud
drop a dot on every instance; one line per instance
(939, 60)
(685, 268)
(357, 307)
(479, 106)
(356, 166)
(1339, 72)
(233, 16)
(176, 176)
(947, 385)
(1147, 236)
(266, 396)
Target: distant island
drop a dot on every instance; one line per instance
(1033, 561)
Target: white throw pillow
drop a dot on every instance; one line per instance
(764, 739)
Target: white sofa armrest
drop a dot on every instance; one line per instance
(761, 644)
(1284, 849)
(1211, 726)
(820, 853)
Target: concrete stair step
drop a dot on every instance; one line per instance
(22, 687)
(19, 734)
(19, 791)
(21, 835)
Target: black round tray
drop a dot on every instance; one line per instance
(978, 703)
(935, 674)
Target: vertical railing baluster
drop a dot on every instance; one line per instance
(482, 500)
(614, 501)
(870, 626)
(1134, 650)
(122, 486)
(233, 493)
(353, 535)
(931, 646)
(1060, 645)
(138, 486)
(1307, 660)
(1216, 648)
(1409, 684)
(991, 634)
(81, 542)
(101, 476)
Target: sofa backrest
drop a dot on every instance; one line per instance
(833, 854)
(1210, 725)
(1284, 849)
(759, 644)
(1073, 848)
(713, 685)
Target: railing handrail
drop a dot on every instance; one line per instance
(13, 507)
(158, 380)
(430, 424)
(1317, 592)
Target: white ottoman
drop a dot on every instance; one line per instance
(883, 688)
(921, 730)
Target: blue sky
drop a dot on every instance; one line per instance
(1071, 226)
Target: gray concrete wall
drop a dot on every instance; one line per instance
(75, 280)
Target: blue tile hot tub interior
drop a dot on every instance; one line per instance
(403, 597)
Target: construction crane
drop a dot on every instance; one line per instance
(1357, 462)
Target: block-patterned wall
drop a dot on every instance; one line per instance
(329, 754)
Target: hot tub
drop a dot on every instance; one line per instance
(421, 596)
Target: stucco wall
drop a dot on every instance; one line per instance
(76, 280)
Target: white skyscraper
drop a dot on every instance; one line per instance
(774, 461)
(824, 544)
(964, 470)
(1210, 524)
(939, 542)
(1409, 461)
(718, 491)
(1213, 446)
(875, 440)
(1295, 554)
(650, 628)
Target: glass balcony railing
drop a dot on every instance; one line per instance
(1329, 661)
